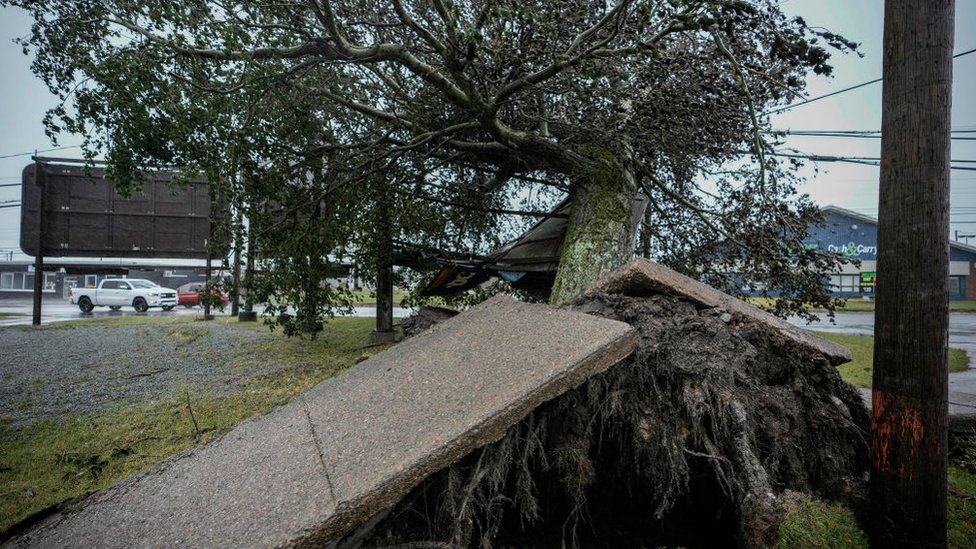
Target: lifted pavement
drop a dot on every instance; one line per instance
(352, 446)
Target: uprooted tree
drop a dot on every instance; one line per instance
(463, 109)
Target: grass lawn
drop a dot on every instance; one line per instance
(814, 524)
(856, 305)
(962, 508)
(12, 315)
(858, 371)
(52, 462)
(368, 297)
(860, 305)
(962, 306)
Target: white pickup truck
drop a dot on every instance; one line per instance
(116, 293)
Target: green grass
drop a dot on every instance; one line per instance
(963, 306)
(109, 322)
(368, 297)
(12, 315)
(858, 371)
(856, 305)
(861, 305)
(51, 462)
(962, 508)
(814, 524)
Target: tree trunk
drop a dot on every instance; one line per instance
(238, 245)
(602, 222)
(908, 445)
(384, 260)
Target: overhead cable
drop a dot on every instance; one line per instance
(861, 85)
(31, 153)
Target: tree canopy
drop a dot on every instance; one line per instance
(460, 111)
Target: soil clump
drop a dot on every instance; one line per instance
(425, 318)
(692, 441)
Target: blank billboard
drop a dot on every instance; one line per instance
(84, 216)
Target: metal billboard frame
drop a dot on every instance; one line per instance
(73, 211)
(69, 209)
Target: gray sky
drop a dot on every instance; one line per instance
(24, 100)
(855, 186)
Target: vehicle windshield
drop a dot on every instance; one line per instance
(142, 284)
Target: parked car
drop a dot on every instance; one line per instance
(116, 293)
(188, 294)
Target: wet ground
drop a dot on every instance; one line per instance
(962, 329)
(962, 335)
(58, 310)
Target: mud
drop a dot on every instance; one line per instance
(690, 442)
(425, 318)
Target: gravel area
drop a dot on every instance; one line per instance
(55, 373)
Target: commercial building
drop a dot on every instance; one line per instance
(856, 237)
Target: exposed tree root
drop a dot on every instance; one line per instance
(689, 442)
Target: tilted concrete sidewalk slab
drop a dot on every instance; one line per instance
(354, 445)
(642, 277)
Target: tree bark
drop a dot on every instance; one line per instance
(238, 245)
(602, 222)
(908, 445)
(384, 260)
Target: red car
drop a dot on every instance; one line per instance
(188, 295)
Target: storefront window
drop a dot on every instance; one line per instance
(25, 281)
(955, 285)
(845, 283)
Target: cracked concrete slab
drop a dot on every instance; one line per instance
(354, 445)
(642, 277)
(253, 487)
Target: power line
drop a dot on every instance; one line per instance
(828, 158)
(31, 153)
(861, 85)
(856, 135)
(847, 132)
(865, 160)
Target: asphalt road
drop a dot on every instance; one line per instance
(962, 335)
(57, 310)
(962, 329)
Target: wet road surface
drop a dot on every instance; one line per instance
(57, 310)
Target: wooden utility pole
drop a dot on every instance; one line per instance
(908, 422)
(40, 179)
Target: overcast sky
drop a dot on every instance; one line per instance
(24, 100)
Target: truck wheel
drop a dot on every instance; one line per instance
(85, 305)
(115, 307)
(168, 307)
(140, 305)
(188, 305)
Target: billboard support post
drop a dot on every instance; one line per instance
(39, 251)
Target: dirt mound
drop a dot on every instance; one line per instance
(689, 443)
(424, 318)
